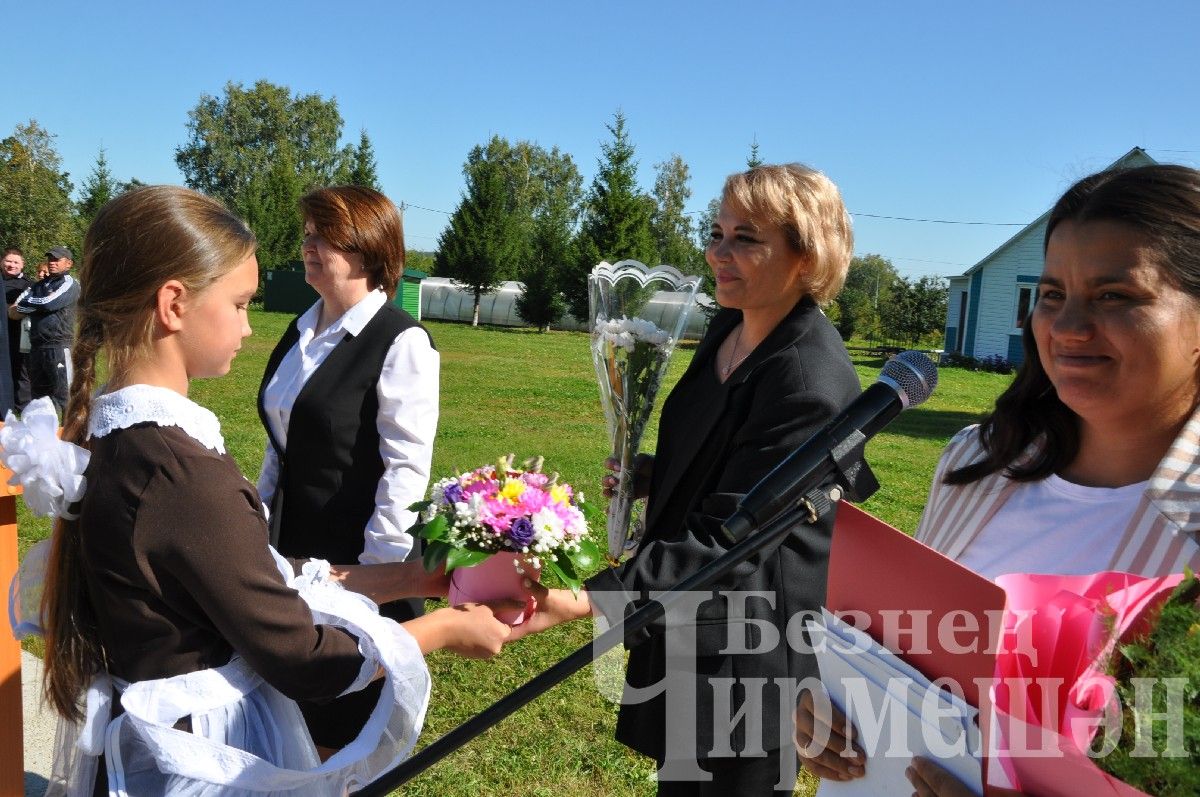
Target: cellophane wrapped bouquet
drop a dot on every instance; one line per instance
(637, 316)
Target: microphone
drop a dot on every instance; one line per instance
(907, 380)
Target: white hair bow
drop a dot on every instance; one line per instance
(49, 470)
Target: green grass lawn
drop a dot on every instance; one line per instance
(523, 392)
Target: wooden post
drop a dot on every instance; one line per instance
(12, 728)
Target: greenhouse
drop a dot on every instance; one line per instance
(442, 300)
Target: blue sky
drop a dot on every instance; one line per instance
(976, 112)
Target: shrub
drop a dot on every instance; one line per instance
(992, 363)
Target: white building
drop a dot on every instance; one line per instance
(986, 305)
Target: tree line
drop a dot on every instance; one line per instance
(524, 213)
(877, 303)
(257, 149)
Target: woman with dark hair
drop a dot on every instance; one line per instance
(1086, 463)
(705, 693)
(350, 404)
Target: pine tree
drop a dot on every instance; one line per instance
(753, 161)
(363, 169)
(616, 218)
(477, 250)
(671, 224)
(98, 188)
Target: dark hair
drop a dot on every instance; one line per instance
(1162, 202)
(361, 221)
(12, 250)
(137, 242)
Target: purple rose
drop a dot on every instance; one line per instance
(452, 493)
(521, 532)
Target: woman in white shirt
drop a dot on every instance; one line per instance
(1086, 463)
(350, 403)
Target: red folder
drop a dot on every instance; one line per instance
(897, 583)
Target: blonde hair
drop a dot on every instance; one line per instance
(808, 207)
(136, 243)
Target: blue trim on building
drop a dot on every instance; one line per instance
(973, 312)
(1027, 278)
(1016, 353)
(951, 336)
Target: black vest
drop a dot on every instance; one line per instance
(330, 469)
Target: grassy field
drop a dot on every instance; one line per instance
(528, 393)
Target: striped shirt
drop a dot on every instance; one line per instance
(1162, 537)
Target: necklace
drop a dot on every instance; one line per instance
(734, 362)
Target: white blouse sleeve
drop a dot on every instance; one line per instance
(407, 422)
(268, 477)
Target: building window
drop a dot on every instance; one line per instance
(1024, 302)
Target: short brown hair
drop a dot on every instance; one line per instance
(364, 222)
(808, 207)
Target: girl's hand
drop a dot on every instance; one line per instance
(643, 467)
(824, 740)
(390, 581)
(432, 585)
(551, 607)
(471, 630)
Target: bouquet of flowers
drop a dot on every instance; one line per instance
(1054, 694)
(630, 352)
(493, 525)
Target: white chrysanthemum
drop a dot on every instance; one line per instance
(548, 531)
(625, 333)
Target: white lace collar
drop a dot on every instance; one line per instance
(158, 405)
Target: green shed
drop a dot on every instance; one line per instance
(285, 291)
(408, 292)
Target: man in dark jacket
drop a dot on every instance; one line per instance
(15, 283)
(50, 306)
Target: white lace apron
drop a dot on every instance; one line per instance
(247, 738)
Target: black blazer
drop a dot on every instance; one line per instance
(793, 383)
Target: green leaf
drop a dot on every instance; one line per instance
(463, 557)
(566, 565)
(420, 506)
(436, 528)
(561, 567)
(586, 557)
(436, 553)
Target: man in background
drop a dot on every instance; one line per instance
(50, 305)
(15, 282)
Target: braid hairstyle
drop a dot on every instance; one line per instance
(136, 243)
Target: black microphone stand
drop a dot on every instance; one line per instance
(847, 479)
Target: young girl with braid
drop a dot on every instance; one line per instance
(176, 640)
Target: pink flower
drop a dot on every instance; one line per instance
(480, 486)
(532, 501)
(535, 479)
